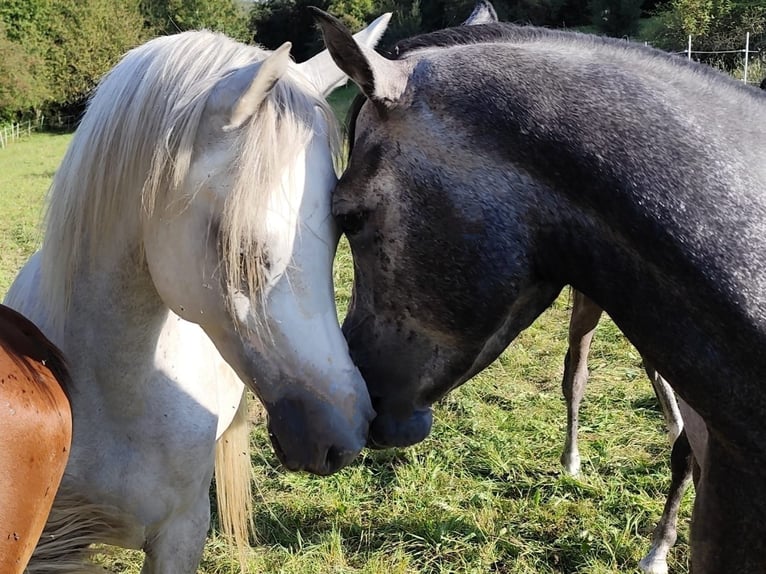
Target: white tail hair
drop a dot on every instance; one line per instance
(233, 480)
(74, 525)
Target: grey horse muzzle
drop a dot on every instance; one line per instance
(389, 431)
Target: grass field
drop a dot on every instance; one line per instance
(484, 493)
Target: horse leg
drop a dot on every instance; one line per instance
(582, 324)
(681, 462)
(728, 529)
(667, 400)
(177, 547)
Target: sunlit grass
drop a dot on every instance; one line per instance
(26, 168)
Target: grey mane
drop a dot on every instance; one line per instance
(504, 32)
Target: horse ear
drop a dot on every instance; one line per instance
(483, 13)
(239, 95)
(381, 80)
(322, 70)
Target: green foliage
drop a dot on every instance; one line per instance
(53, 52)
(85, 39)
(58, 49)
(355, 14)
(170, 16)
(713, 25)
(406, 19)
(23, 46)
(20, 87)
(695, 17)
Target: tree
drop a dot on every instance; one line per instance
(163, 17)
(53, 52)
(20, 87)
(355, 14)
(713, 25)
(694, 17)
(85, 38)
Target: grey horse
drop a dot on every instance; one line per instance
(491, 165)
(582, 326)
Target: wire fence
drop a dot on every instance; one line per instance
(747, 52)
(16, 130)
(13, 131)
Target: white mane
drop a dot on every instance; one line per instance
(134, 148)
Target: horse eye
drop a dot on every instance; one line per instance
(351, 223)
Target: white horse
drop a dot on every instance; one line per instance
(188, 249)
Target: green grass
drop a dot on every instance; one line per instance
(26, 168)
(340, 100)
(484, 493)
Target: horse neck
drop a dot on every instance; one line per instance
(115, 316)
(678, 315)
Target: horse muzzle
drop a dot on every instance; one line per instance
(388, 430)
(316, 438)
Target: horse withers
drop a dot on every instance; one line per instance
(492, 165)
(35, 435)
(187, 256)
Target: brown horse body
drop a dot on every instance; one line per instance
(35, 434)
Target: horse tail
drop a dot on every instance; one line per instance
(73, 526)
(233, 477)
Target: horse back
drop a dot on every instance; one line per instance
(35, 435)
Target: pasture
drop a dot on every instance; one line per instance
(485, 493)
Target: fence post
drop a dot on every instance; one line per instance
(689, 49)
(747, 54)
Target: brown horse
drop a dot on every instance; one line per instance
(35, 434)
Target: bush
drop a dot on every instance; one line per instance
(713, 25)
(162, 17)
(20, 88)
